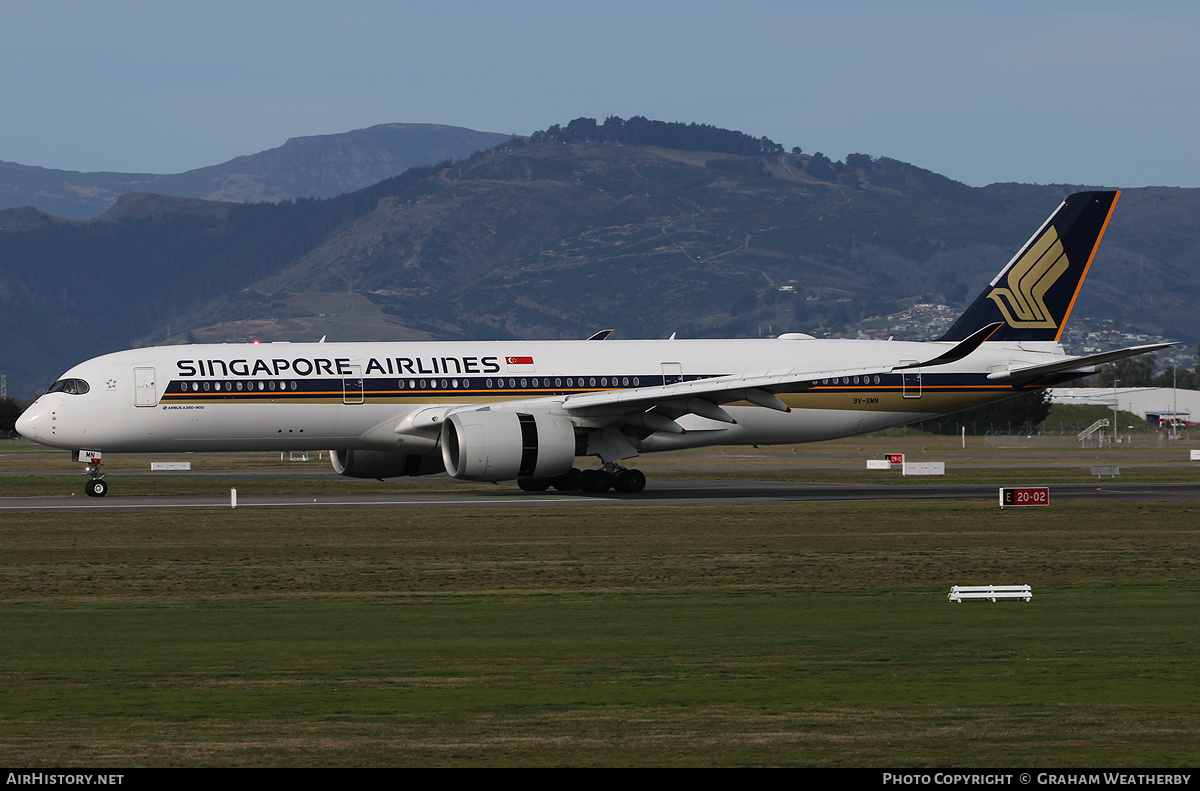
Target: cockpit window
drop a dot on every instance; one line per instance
(69, 386)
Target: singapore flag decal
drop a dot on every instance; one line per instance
(519, 365)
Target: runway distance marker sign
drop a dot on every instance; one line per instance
(1024, 495)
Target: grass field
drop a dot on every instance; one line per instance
(813, 634)
(31, 470)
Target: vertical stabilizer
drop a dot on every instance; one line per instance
(1032, 297)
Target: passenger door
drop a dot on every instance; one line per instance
(145, 391)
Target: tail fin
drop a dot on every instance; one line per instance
(1034, 294)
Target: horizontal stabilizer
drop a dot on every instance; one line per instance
(1080, 364)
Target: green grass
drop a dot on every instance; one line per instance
(764, 634)
(29, 470)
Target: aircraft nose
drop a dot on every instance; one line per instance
(27, 424)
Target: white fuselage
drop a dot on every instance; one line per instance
(281, 396)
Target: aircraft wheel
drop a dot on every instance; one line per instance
(96, 487)
(534, 484)
(631, 481)
(595, 481)
(568, 481)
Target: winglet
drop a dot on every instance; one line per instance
(960, 349)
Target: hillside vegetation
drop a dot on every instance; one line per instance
(557, 236)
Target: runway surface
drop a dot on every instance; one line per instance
(661, 492)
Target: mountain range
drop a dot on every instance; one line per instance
(320, 166)
(559, 235)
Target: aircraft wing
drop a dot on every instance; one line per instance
(1085, 365)
(704, 396)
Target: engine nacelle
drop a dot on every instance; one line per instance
(382, 464)
(503, 446)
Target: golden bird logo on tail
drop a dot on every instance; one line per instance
(1023, 303)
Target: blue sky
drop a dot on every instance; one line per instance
(1098, 93)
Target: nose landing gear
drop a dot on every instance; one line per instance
(96, 485)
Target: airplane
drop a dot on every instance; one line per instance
(500, 411)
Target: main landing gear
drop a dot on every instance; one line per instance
(590, 481)
(96, 485)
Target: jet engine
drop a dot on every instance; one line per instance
(503, 446)
(382, 464)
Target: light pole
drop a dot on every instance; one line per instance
(1112, 438)
(1174, 403)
